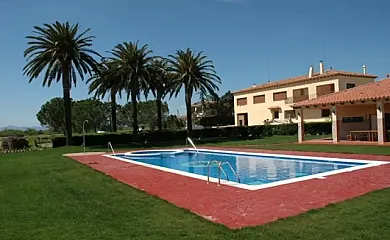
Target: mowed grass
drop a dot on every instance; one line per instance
(354, 149)
(46, 196)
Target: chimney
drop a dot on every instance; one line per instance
(322, 67)
(311, 71)
(364, 69)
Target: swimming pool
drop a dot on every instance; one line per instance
(254, 171)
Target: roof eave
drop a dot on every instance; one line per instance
(258, 88)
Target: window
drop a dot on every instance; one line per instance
(289, 114)
(279, 96)
(276, 114)
(351, 85)
(300, 94)
(325, 113)
(325, 89)
(259, 99)
(241, 101)
(353, 119)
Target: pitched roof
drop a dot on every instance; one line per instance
(370, 91)
(304, 78)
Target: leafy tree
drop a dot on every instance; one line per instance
(193, 72)
(62, 52)
(133, 66)
(174, 123)
(91, 110)
(219, 106)
(107, 80)
(52, 115)
(146, 116)
(160, 85)
(97, 113)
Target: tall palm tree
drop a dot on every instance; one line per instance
(62, 52)
(193, 72)
(160, 85)
(107, 80)
(133, 64)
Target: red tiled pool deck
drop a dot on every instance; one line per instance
(235, 207)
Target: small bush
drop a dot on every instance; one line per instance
(15, 143)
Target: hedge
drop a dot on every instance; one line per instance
(216, 121)
(15, 143)
(166, 136)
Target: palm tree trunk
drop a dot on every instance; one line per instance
(67, 104)
(135, 112)
(189, 112)
(159, 112)
(113, 111)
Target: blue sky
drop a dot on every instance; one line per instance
(240, 36)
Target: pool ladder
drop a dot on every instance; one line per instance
(111, 148)
(220, 169)
(189, 140)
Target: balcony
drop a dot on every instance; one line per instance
(296, 99)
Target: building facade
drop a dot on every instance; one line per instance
(272, 102)
(358, 114)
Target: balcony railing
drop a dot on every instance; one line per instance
(291, 100)
(324, 93)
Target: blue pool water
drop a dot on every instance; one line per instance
(251, 169)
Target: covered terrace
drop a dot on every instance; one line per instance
(358, 114)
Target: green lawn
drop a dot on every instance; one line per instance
(46, 196)
(359, 149)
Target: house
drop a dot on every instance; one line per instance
(358, 114)
(272, 102)
(198, 108)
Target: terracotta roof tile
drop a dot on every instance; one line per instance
(370, 91)
(303, 78)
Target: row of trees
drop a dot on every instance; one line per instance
(98, 115)
(61, 52)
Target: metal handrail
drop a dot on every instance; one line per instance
(219, 171)
(193, 145)
(110, 147)
(189, 140)
(231, 168)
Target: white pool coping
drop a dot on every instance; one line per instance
(368, 164)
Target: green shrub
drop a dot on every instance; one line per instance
(216, 121)
(15, 143)
(227, 132)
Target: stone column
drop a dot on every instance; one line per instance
(380, 114)
(301, 126)
(335, 125)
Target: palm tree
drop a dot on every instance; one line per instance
(160, 85)
(62, 52)
(107, 80)
(133, 64)
(193, 72)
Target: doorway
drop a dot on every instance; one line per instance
(242, 119)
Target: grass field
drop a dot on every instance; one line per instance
(46, 196)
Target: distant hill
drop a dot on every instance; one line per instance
(22, 128)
